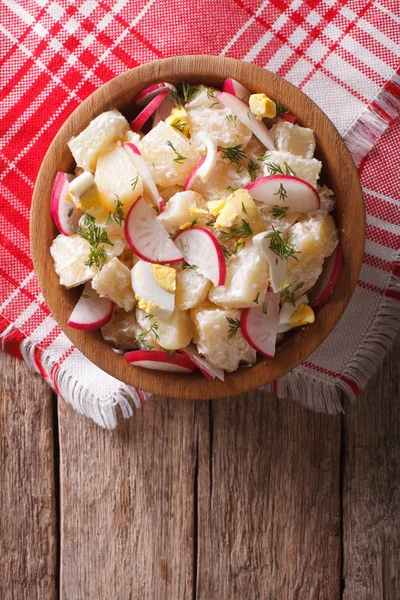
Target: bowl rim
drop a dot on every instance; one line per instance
(193, 386)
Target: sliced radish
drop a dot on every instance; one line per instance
(204, 365)
(285, 190)
(62, 210)
(288, 117)
(277, 266)
(231, 86)
(91, 311)
(241, 110)
(286, 313)
(259, 325)
(323, 288)
(146, 96)
(163, 111)
(147, 237)
(160, 361)
(200, 247)
(146, 113)
(143, 170)
(206, 164)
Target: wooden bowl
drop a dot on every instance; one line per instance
(339, 173)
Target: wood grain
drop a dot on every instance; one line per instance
(339, 171)
(371, 490)
(269, 504)
(128, 513)
(28, 542)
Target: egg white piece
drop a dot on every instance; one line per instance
(150, 283)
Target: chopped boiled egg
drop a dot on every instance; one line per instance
(154, 286)
(178, 119)
(86, 196)
(261, 106)
(278, 274)
(295, 315)
(239, 207)
(215, 206)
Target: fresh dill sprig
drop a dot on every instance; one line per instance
(194, 222)
(179, 158)
(244, 209)
(211, 222)
(183, 246)
(288, 296)
(232, 153)
(156, 209)
(210, 94)
(231, 189)
(180, 126)
(281, 246)
(71, 210)
(279, 212)
(281, 193)
(232, 120)
(185, 92)
(253, 168)
(243, 231)
(226, 252)
(97, 238)
(118, 214)
(275, 169)
(234, 325)
(265, 308)
(141, 338)
(239, 244)
(191, 267)
(239, 168)
(149, 316)
(134, 182)
(280, 109)
(264, 157)
(256, 298)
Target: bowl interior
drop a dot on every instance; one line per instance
(338, 172)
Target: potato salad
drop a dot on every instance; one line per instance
(198, 232)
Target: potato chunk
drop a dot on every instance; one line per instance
(114, 282)
(122, 331)
(172, 333)
(211, 331)
(293, 138)
(191, 289)
(305, 168)
(179, 210)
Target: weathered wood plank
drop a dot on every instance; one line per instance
(127, 503)
(371, 491)
(269, 503)
(28, 548)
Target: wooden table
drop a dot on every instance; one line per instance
(241, 499)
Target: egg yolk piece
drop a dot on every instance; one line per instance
(261, 106)
(239, 207)
(154, 286)
(302, 315)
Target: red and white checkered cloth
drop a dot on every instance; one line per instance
(343, 53)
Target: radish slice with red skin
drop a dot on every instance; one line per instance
(144, 97)
(323, 288)
(147, 237)
(277, 266)
(61, 207)
(206, 164)
(192, 175)
(295, 193)
(146, 113)
(91, 311)
(241, 110)
(158, 360)
(261, 328)
(288, 117)
(163, 111)
(204, 365)
(201, 248)
(231, 86)
(143, 170)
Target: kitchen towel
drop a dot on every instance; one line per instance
(343, 53)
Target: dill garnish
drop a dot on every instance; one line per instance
(134, 182)
(256, 298)
(280, 109)
(97, 237)
(185, 92)
(275, 169)
(279, 212)
(71, 210)
(231, 189)
(232, 153)
(281, 193)
(281, 246)
(179, 158)
(234, 325)
(211, 223)
(288, 296)
(253, 168)
(226, 252)
(180, 126)
(191, 267)
(232, 120)
(243, 231)
(142, 337)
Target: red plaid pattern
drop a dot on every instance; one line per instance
(343, 53)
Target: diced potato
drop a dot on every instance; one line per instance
(281, 222)
(239, 207)
(121, 332)
(116, 177)
(114, 282)
(172, 333)
(191, 289)
(327, 198)
(178, 210)
(167, 192)
(305, 168)
(225, 177)
(246, 278)
(131, 137)
(168, 166)
(69, 253)
(105, 129)
(289, 137)
(314, 239)
(206, 114)
(211, 331)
